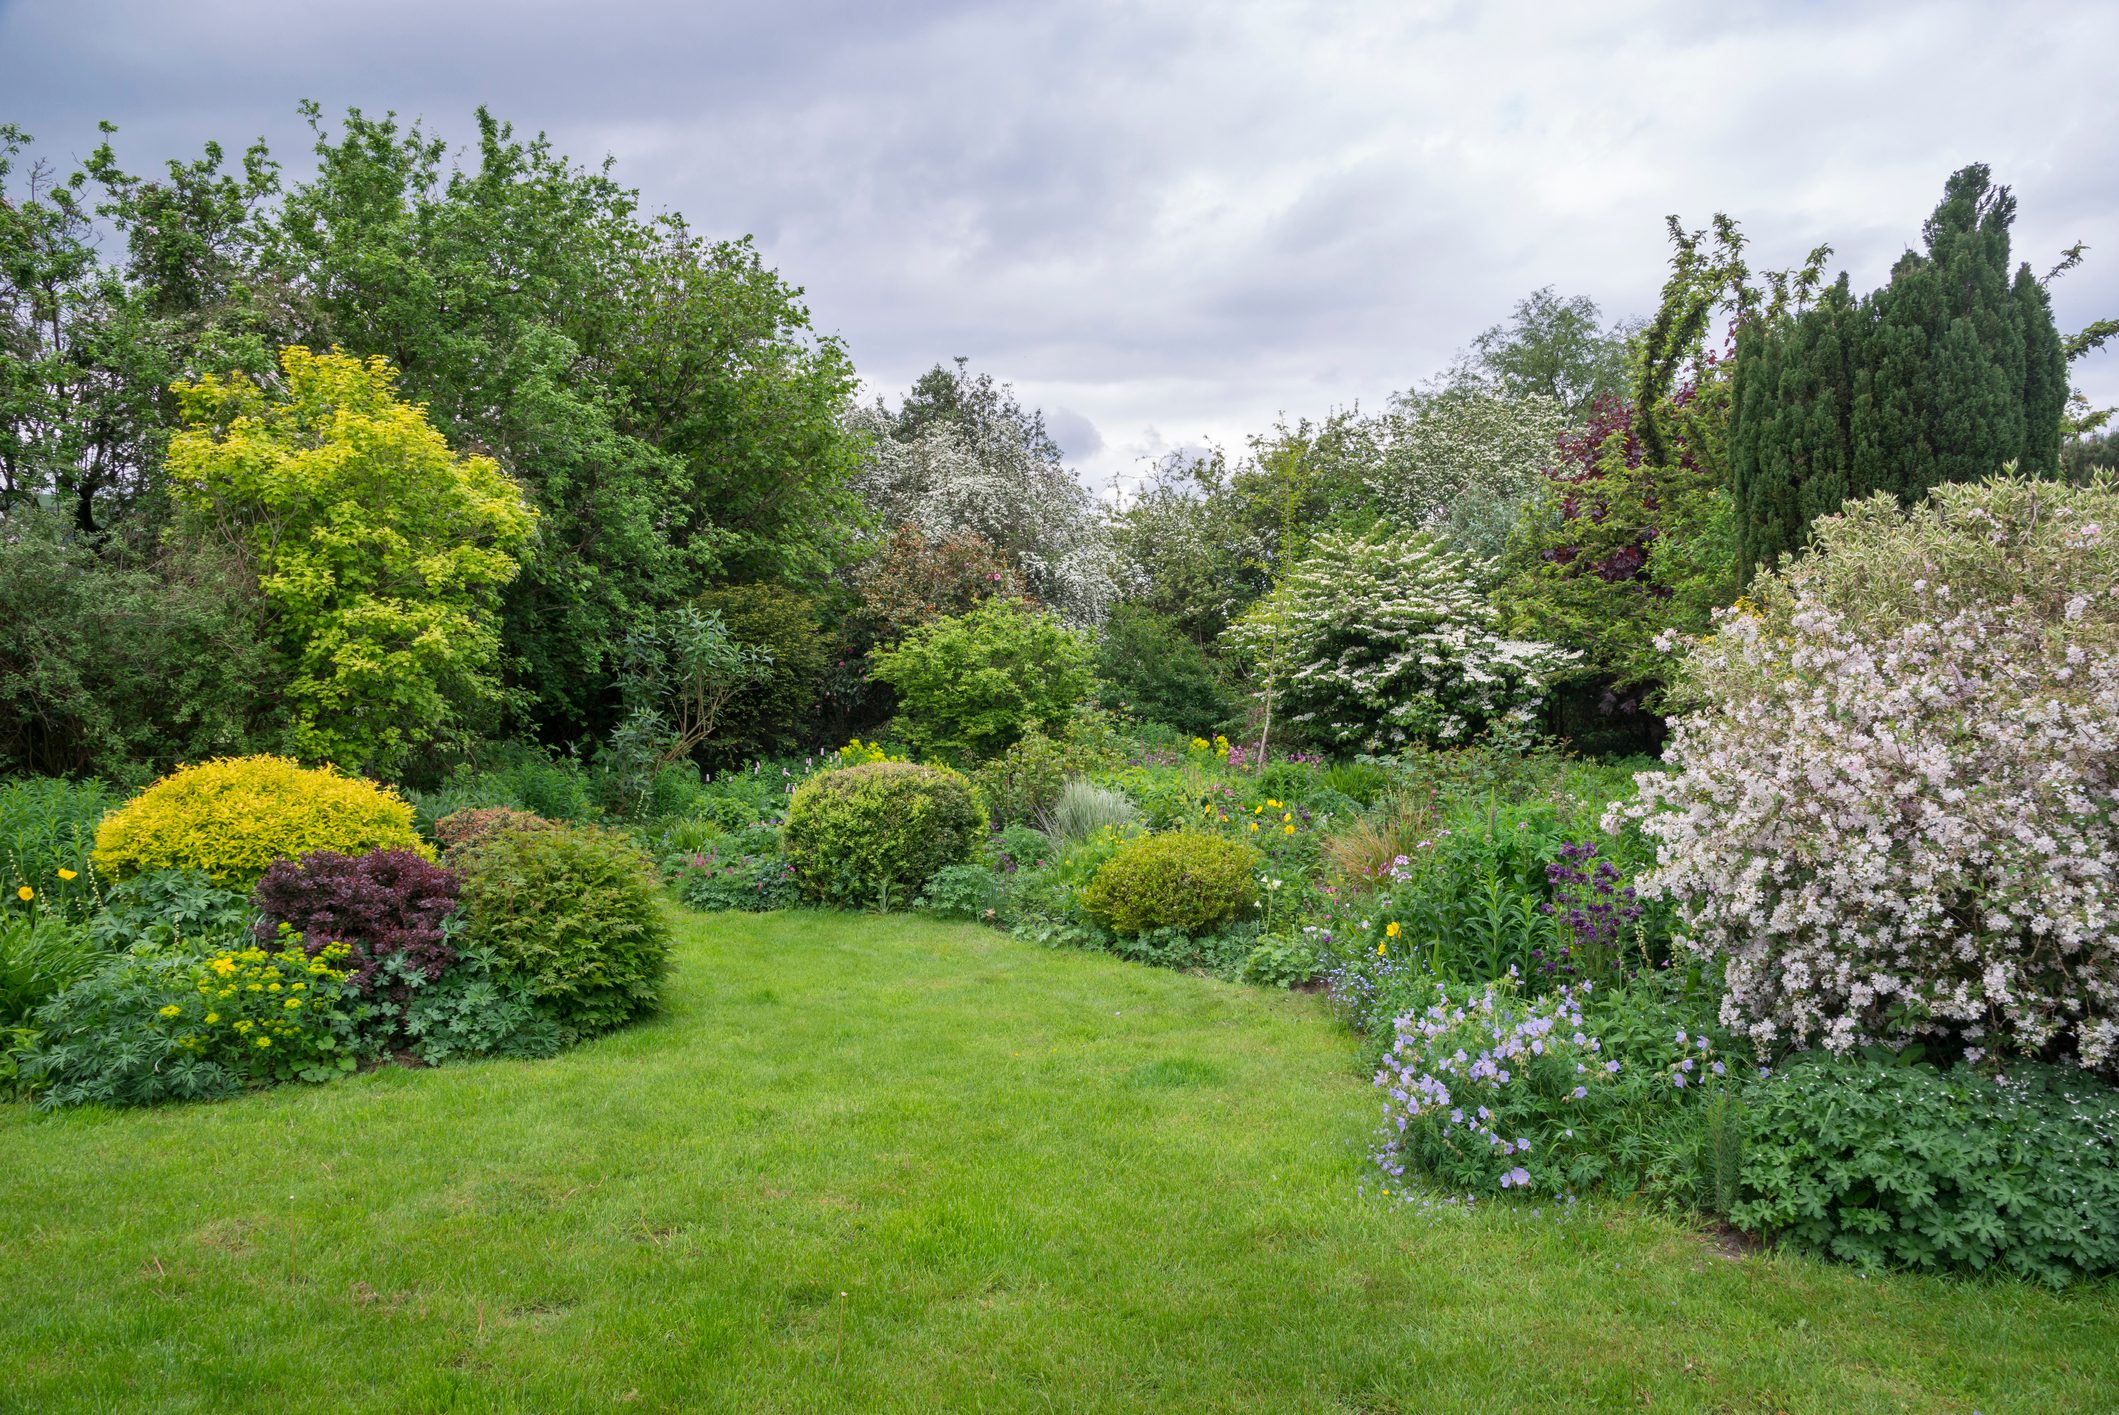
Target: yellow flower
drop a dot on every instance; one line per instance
(273, 988)
(1392, 929)
(1254, 825)
(69, 874)
(1287, 830)
(25, 894)
(172, 1011)
(212, 1017)
(1287, 815)
(264, 1041)
(1383, 948)
(292, 1002)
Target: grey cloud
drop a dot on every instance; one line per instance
(1185, 218)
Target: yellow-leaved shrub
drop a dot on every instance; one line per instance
(234, 816)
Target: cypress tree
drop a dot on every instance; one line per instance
(1948, 373)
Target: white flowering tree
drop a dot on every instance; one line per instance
(1462, 462)
(1386, 640)
(961, 456)
(1893, 808)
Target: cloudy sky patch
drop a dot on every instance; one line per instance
(1168, 224)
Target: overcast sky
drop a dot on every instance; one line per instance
(1167, 224)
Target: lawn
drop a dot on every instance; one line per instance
(872, 1164)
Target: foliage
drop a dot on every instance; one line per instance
(909, 578)
(475, 1009)
(40, 957)
(1552, 348)
(574, 912)
(1890, 813)
(962, 456)
(969, 687)
(1020, 784)
(270, 1015)
(1081, 808)
(1389, 643)
(111, 1038)
(724, 875)
(513, 777)
(1150, 669)
(47, 829)
(231, 818)
(1460, 463)
(460, 830)
(379, 552)
(180, 910)
(1909, 1166)
(969, 891)
(1186, 880)
(1278, 961)
(1490, 1091)
(873, 834)
(385, 903)
(119, 662)
(784, 631)
(1619, 549)
(1949, 373)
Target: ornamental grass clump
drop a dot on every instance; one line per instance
(1893, 809)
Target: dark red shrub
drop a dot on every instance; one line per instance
(380, 903)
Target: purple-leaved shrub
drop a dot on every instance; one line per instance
(382, 903)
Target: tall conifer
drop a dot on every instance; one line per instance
(1949, 372)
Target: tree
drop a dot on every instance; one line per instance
(1459, 462)
(379, 552)
(1554, 349)
(961, 456)
(1950, 372)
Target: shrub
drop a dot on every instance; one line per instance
(383, 903)
(874, 834)
(970, 686)
(1278, 961)
(460, 830)
(1894, 809)
(1151, 669)
(1910, 1166)
(1184, 880)
(574, 912)
(47, 828)
(1081, 809)
(1381, 640)
(232, 818)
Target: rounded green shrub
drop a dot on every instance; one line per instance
(232, 817)
(575, 912)
(874, 834)
(1185, 879)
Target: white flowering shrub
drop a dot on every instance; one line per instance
(1892, 810)
(1379, 640)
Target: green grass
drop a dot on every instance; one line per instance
(864, 1164)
